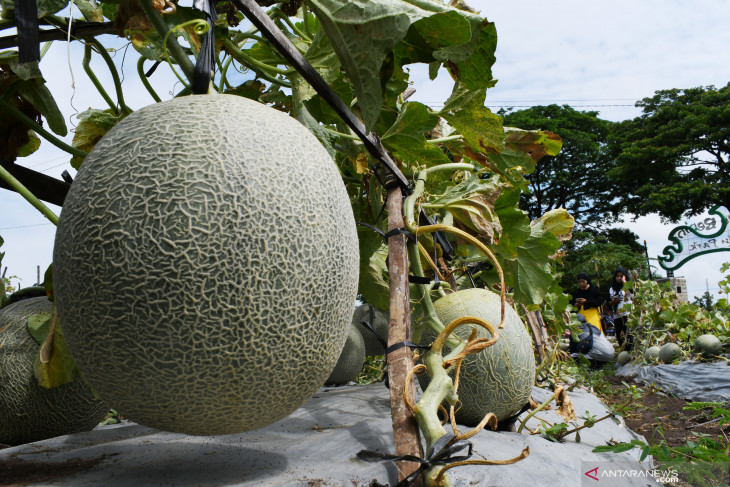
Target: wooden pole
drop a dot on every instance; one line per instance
(400, 362)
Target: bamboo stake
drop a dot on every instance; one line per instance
(400, 362)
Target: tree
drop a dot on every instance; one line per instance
(575, 178)
(673, 159)
(705, 301)
(598, 254)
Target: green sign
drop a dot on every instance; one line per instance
(700, 238)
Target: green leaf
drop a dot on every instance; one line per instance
(471, 202)
(373, 284)
(31, 146)
(515, 224)
(36, 92)
(406, 136)
(39, 325)
(365, 32)
(60, 368)
(90, 11)
(465, 111)
(476, 70)
(93, 125)
(49, 7)
(558, 222)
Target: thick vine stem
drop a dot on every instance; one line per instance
(25, 193)
(176, 50)
(442, 388)
(145, 81)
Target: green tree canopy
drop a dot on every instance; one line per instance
(575, 178)
(674, 158)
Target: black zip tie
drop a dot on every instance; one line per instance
(205, 65)
(401, 231)
(26, 21)
(405, 343)
(441, 453)
(372, 227)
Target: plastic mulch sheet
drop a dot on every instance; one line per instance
(316, 445)
(691, 380)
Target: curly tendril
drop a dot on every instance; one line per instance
(199, 26)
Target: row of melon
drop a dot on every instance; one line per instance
(705, 346)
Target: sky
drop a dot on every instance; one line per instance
(598, 56)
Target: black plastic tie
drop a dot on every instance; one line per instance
(401, 231)
(205, 65)
(26, 21)
(405, 343)
(442, 452)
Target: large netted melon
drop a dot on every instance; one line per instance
(708, 345)
(205, 265)
(29, 412)
(669, 352)
(652, 354)
(623, 358)
(379, 320)
(499, 379)
(351, 360)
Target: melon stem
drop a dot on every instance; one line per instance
(28, 195)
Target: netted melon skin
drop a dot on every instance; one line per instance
(351, 360)
(29, 412)
(499, 379)
(708, 345)
(206, 258)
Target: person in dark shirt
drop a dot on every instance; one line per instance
(618, 297)
(588, 300)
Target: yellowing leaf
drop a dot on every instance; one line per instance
(361, 163)
(558, 222)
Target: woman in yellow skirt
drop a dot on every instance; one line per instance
(588, 300)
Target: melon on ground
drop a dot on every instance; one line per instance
(498, 379)
(29, 412)
(379, 320)
(669, 352)
(206, 259)
(623, 358)
(351, 360)
(651, 354)
(708, 345)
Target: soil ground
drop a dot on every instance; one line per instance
(661, 417)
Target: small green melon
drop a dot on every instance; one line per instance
(29, 412)
(623, 358)
(708, 345)
(205, 265)
(380, 321)
(669, 352)
(651, 354)
(499, 379)
(351, 360)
